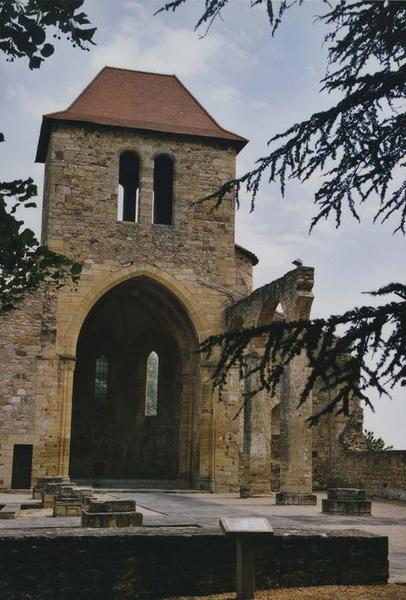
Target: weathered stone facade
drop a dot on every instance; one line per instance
(149, 286)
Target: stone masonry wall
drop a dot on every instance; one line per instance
(195, 259)
(20, 347)
(342, 429)
(380, 473)
(340, 458)
(293, 291)
(144, 563)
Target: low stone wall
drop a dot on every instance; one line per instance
(151, 563)
(380, 473)
(388, 493)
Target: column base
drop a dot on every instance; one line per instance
(346, 507)
(255, 489)
(42, 482)
(346, 501)
(203, 483)
(302, 499)
(111, 514)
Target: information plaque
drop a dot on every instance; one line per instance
(245, 525)
(245, 531)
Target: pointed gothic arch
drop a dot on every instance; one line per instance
(120, 438)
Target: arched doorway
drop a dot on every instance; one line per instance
(135, 387)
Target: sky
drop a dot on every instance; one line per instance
(252, 83)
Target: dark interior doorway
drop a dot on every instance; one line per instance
(22, 467)
(132, 417)
(163, 189)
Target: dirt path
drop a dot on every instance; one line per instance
(331, 592)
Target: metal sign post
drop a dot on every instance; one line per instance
(245, 531)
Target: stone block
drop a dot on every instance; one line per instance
(296, 499)
(111, 519)
(71, 500)
(50, 492)
(10, 511)
(346, 494)
(37, 494)
(48, 500)
(68, 507)
(111, 513)
(346, 501)
(74, 491)
(66, 491)
(111, 506)
(43, 482)
(346, 507)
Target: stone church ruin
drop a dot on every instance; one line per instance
(102, 381)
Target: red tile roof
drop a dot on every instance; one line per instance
(142, 101)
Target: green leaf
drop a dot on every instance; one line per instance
(35, 62)
(87, 34)
(27, 237)
(47, 50)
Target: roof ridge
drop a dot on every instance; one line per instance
(204, 109)
(139, 71)
(84, 90)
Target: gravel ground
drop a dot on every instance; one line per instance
(330, 592)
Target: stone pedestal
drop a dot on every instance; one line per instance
(10, 511)
(346, 501)
(292, 498)
(67, 507)
(50, 492)
(42, 482)
(71, 500)
(111, 513)
(76, 491)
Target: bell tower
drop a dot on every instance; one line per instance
(125, 167)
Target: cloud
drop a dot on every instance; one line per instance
(260, 104)
(31, 102)
(144, 42)
(224, 93)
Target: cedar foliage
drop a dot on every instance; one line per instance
(24, 263)
(358, 147)
(375, 444)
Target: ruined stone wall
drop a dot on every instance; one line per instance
(243, 272)
(380, 473)
(292, 469)
(336, 431)
(341, 459)
(194, 259)
(229, 431)
(20, 347)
